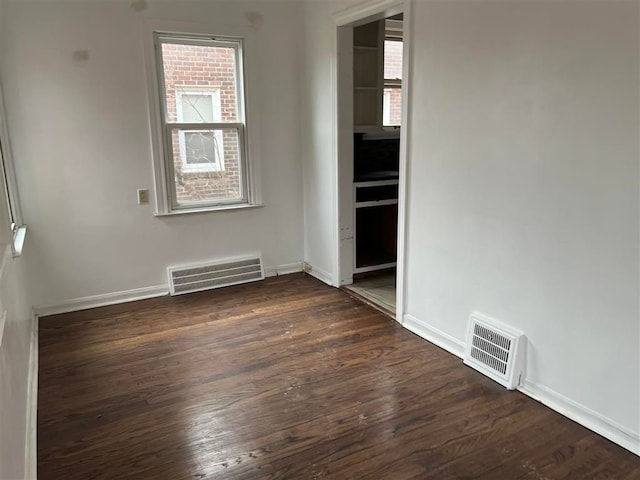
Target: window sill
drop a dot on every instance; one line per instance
(18, 241)
(184, 211)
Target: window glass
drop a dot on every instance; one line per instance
(207, 166)
(201, 84)
(392, 99)
(393, 60)
(197, 108)
(392, 106)
(200, 148)
(204, 67)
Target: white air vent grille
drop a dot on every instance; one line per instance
(496, 350)
(196, 278)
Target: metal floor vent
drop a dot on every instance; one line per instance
(496, 350)
(196, 278)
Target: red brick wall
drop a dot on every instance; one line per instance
(395, 106)
(393, 59)
(393, 70)
(208, 69)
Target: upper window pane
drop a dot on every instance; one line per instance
(393, 60)
(197, 108)
(190, 71)
(6, 189)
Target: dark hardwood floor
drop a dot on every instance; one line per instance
(285, 379)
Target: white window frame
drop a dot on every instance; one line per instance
(214, 95)
(16, 225)
(390, 36)
(249, 138)
(386, 107)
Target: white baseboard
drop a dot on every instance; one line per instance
(321, 275)
(31, 431)
(115, 298)
(565, 406)
(433, 335)
(103, 300)
(586, 417)
(284, 269)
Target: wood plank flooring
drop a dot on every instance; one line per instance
(285, 379)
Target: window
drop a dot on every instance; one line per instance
(200, 150)
(203, 126)
(392, 95)
(17, 229)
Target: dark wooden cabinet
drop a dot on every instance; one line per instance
(376, 214)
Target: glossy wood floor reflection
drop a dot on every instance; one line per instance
(285, 379)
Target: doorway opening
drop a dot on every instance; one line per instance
(370, 160)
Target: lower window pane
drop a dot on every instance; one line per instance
(202, 149)
(392, 107)
(207, 166)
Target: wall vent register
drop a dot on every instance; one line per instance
(207, 276)
(496, 350)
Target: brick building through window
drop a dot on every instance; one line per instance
(392, 95)
(201, 85)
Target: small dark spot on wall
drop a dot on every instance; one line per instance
(80, 57)
(255, 19)
(139, 5)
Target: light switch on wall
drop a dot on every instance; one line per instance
(143, 196)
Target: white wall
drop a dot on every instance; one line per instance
(319, 143)
(81, 134)
(15, 346)
(15, 358)
(523, 194)
(523, 188)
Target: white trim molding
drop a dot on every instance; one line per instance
(403, 184)
(284, 269)
(9, 171)
(115, 298)
(31, 431)
(6, 255)
(3, 321)
(320, 274)
(248, 129)
(102, 300)
(345, 19)
(586, 417)
(19, 236)
(433, 335)
(366, 9)
(571, 409)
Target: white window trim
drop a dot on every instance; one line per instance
(390, 83)
(386, 107)
(218, 166)
(214, 95)
(250, 55)
(17, 227)
(168, 127)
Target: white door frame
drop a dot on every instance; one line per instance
(345, 20)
